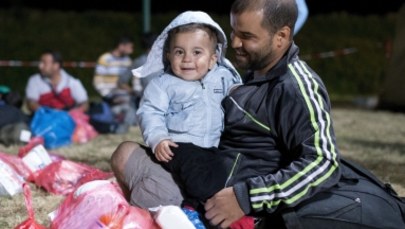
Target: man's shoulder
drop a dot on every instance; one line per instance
(103, 58)
(35, 78)
(69, 77)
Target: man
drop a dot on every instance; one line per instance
(110, 66)
(54, 87)
(138, 84)
(278, 145)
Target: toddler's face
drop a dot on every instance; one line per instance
(191, 54)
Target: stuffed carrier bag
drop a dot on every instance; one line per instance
(359, 200)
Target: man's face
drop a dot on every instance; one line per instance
(126, 49)
(253, 44)
(47, 66)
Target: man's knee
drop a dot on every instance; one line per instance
(121, 155)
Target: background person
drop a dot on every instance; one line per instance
(127, 78)
(110, 66)
(54, 87)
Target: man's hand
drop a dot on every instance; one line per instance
(163, 152)
(223, 208)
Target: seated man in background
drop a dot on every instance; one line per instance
(138, 84)
(54, 87)
(110, 66)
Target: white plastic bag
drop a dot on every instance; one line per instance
(171, 217)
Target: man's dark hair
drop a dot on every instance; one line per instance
(56, 56)
(124, 39)
(147, 40)
(276, 13)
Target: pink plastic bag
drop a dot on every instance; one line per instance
(100, 204)
(62, 177)
(126, 216)
(30, 222)
(83, 132)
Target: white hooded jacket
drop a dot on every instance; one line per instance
(180, 110)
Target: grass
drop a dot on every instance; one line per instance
(375, 139)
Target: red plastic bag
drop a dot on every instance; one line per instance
(83, 132)
(30, 222)
(100, 204)
(126, 216)
(22, 151)
(16, 163)
(10, 182)
(34, 157)
(62, 177)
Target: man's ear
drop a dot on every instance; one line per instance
(283, 35)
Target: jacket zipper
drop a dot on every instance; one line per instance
(223, 86)
(232, 170)
(202, 84)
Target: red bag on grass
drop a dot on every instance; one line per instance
(16, 163)
(30, 222)
(100, 204)
(62, 177)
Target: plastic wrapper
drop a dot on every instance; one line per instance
(100, 204)
(171, 217)
(30, 223)
(16, 163)
(194, 217)
(37, 158)
(10, 182)
(62, 177)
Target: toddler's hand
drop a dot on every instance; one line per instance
(163, 152)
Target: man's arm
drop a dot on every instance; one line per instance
(32, 105)
(79, 94)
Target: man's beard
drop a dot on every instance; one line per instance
(256, 60)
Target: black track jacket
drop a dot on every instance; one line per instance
(279, 134)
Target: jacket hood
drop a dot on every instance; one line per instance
(154, 62)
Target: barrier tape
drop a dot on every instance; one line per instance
(87, 64)
(330, 54)
(67, 64)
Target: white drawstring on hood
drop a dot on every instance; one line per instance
(154, 62)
